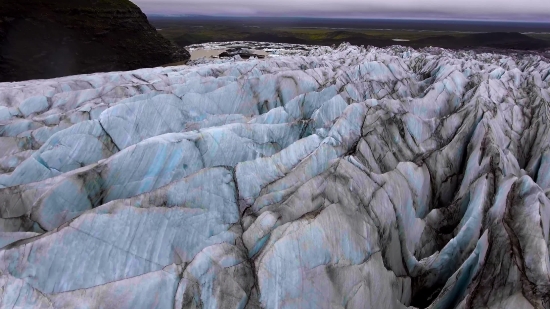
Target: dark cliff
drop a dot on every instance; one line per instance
(52, 38)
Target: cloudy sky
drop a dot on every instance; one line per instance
(529, 10)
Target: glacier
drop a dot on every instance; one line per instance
(330, 177)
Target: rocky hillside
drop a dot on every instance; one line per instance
(52, 38)
(344, 178)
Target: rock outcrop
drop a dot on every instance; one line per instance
(344, 178)
(53, 38)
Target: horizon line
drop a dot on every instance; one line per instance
(351, 18)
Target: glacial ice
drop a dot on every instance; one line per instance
(343, 177)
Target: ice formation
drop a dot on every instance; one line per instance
(342, 178)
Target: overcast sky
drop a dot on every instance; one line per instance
(534, 10)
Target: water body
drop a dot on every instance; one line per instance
(205, 53)
(213, 53)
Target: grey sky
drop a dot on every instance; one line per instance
(471, 9)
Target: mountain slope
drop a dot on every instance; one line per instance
(52, 38)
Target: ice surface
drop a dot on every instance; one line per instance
(331, 178)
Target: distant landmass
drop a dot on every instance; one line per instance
(519, 36)
(52, 38)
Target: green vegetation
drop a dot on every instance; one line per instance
(541, 36)
(324, 34)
